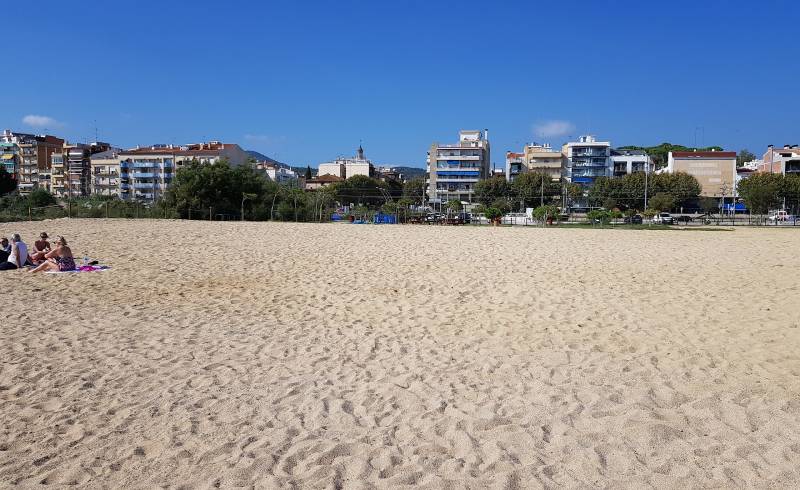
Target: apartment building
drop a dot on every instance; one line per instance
(714, 170)
(71, 168)
(348, 167)
(105, 173)
(543, 159)
(9, 158)
(586, 159)
(627, 161)
(276, 173)
(784, 160)
(454, 169)
(515, 165)
(145, 173)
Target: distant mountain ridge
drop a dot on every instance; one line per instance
(264, 158)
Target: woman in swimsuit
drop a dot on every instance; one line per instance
(59, 259)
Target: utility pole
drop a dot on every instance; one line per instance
(541, 192)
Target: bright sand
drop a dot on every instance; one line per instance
(352, 356)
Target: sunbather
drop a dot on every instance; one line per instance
(40, 249)
(59, 259)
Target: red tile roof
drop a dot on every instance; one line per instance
(704, 154)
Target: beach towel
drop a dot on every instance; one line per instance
(83, 268)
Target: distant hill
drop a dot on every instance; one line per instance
(264, 158)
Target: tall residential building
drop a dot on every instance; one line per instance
(10, 158)
(629, 161)
(105, 172)
(71, 168)
(515, 165)
(348, 167)
(27, 158)
(34, 169)
(586, 159)
(784, 160)
(454, 169)
(145, 174)
(714, 170)
(542, 158)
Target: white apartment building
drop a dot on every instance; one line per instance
(146, 173)
(629, 161)
(454, 169)
(105, 173)
(276, 173)
(348, 167)
(587, 159)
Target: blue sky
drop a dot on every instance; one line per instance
(307, 81)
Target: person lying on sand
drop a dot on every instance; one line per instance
(59, 259)
(40, 249)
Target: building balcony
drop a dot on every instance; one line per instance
(442, 157)
(145, 185)
(144, 165)
(143, 175)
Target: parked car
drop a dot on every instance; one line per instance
(433, 218)
(636, 219)
(664, 219)
(780, 215)
(684, 219)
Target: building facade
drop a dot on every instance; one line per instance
(629, 161)
(105, 173)
(71, 169)
(784, 160)
(586, 159)
(276, 173)
(714, 170)
(515, 165)
(454, 169)
(145, 173)
(348, 167)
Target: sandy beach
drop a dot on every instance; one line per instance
(220, 354)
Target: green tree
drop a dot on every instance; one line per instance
(414, 190)
(544, 213)
(502, 204)
(361, 190)
(599, 216)
(761, 191)
(662, 201)
(454, 205)
(39, 198)
(490, 190)
(530, 187)
(308, 175)
(7, 182)
(744, 156)
(493, 214)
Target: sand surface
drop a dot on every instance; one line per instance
(346, 356)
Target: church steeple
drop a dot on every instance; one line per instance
(360, 153)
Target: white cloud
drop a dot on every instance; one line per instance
(552, 129)
(40, 121)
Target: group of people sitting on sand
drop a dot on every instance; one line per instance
(15, 254)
